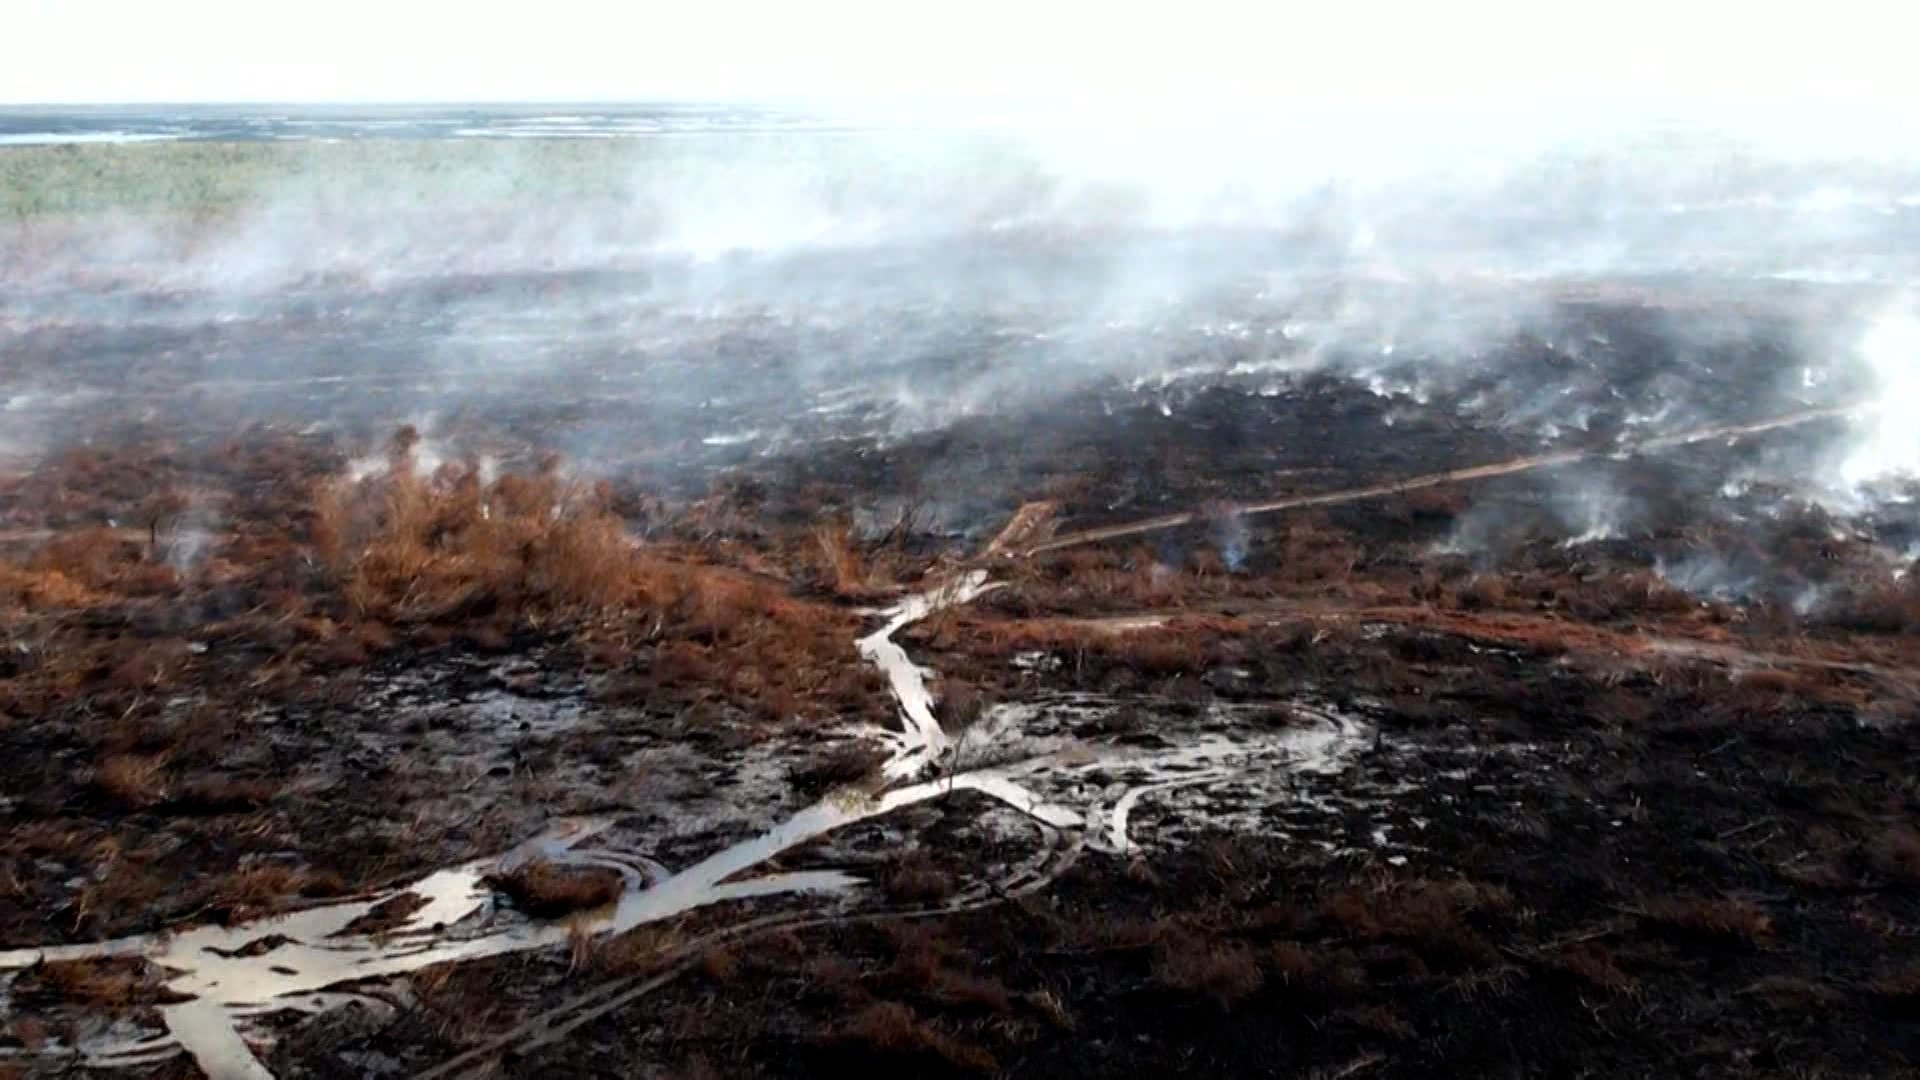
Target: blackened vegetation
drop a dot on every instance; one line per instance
(1632, 901)
(1653, 803)
(1595, 871)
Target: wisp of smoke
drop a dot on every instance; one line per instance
(1230, 534)
(1592, 509)
(1705, 576)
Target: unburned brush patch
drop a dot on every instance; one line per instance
(549, 890)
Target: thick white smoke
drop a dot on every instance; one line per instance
(1889, 443)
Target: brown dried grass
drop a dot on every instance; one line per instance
(110, 983)
(1226, 971)
(267, 887)
(1726, 919)
(894, 1027)
(133, 780)
(548, 890)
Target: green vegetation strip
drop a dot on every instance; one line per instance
(211, 177)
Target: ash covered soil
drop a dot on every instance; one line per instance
(674, 662)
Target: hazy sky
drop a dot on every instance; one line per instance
(1471, 54)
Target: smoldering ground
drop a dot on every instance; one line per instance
(739, 298)
(1615, 694)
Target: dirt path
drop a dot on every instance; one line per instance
(1533, 631)
(1453, 476)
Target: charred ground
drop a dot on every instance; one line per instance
(1640, 797)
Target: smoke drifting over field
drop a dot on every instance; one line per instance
(1889, 445)
(744, 297)
(1425, 517)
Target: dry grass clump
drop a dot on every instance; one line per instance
(638, 950)
(1594, 966)
(108, 982)
(1724, 919)
(149, 668)
(327, 572)
(139, 780)
(1310, 553)
(1626, 595)
(451, 557)
(97, 482)
(925, 965)
(1434, 916)
(1760, 691)
(1177, 645)
(895, 1028)
(1099, 578)
(1162, 653)
(549, 890)
(1482, 593)
(411, 548)
(123, 880)
(33, 589)
(843, 567)
(1226, 971)
(83, 567)
(95, 558)
(1781, 681)
(133, 780)
(267, 887)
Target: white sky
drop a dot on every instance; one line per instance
(1454, 54)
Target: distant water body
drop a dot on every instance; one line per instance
(54, 125)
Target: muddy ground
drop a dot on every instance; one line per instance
(1600, 769)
